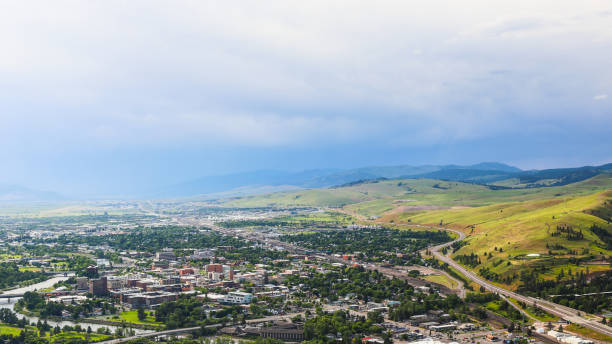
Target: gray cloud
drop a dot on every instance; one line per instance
(103, 75)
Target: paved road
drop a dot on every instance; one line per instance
(563, 312)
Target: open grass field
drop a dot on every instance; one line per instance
(66, 336)
(535, 313)
(132, 317)
(415, 195)
(574, 269)
(59, 338)
(14, 331)
(63, 209)
(443, 280)
(497, 307)
(583, 331)
(6, 256)
(29, 268)
(327, 218)
(330, 197)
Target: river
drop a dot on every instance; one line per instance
(10, 304)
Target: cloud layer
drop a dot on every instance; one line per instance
(143, 76)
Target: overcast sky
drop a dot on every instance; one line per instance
(99, 96)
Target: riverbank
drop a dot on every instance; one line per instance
(31, 318)
(122, 323)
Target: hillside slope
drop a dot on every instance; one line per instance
(374, 198)
(504, 226)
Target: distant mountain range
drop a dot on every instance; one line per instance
(17, 193)
(493, 174)
(518, 179)
(257, 180)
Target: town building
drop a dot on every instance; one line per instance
(82, 283)
(166, 254)
(98, 287)
(148, 299)
(284, 331)
(238, 298)
(218, 272)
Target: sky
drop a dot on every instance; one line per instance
(108, 97)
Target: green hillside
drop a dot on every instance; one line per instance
(503, 226)
(558, 230)
(375, 198)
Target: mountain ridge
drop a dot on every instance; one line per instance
(315, 178)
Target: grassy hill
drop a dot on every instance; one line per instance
(503, 235)
(374, 198)
(503, 226)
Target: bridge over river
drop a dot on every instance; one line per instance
(193, 329)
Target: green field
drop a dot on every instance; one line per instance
(330, 197)
(327, 219)
(28, 268)
(443, 280)
(535, 313)
(62, 209)
(415, 195)
(14, 331)
(588, 333)
(132, 317)
(65, 336)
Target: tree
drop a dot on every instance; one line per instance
(141, 314)
(376, 317)
(387, 337)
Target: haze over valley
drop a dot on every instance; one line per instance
(319, 172)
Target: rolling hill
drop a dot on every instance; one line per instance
(309, 179)
(558, 227)
(505, 178)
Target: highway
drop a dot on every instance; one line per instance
(563, 312)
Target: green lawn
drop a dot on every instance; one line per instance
(29, 268)
(64, 336)
(132, 317)
(93, 337)
(14, 331)
(495, 307)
